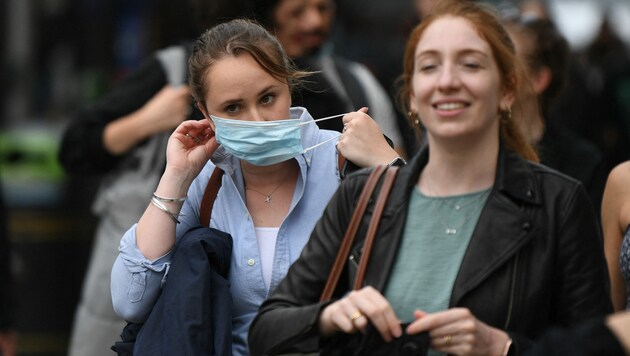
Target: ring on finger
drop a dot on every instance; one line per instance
(447, 339)
(357, 314)
(197, 140)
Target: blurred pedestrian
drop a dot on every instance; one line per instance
(304, 28)
(546, 53)
(616, 225)
(122, 138)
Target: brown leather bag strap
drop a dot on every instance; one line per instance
(348, 239)
(386, 188)
(209, 195)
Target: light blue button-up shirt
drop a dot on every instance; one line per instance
(136, 281)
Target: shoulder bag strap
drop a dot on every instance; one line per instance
(348, 239)
(386, 188)
(209, 195)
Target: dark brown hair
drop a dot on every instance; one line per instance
(546, 48)
(512, 73)
(234, 38)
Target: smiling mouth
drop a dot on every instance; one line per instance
(450, 106)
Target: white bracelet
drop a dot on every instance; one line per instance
(169, 200)
(162, 207)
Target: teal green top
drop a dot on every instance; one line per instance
(434, 241)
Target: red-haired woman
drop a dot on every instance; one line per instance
(479, 246)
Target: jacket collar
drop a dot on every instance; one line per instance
(503, 227)
(514, 177)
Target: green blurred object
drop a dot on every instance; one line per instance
(29, 170)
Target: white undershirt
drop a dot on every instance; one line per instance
(266, 237)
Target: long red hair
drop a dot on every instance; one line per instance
(511, 70)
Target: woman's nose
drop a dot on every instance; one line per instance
(448, 77)
(256, 115)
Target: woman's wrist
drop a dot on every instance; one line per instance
(502, 344)
(173, 184)
(507, 347)
(324, 324)
(388, 157)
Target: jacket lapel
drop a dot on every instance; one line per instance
(505, 224)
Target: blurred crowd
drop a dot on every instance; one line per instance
(62, 56)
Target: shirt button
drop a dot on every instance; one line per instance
(251, 262)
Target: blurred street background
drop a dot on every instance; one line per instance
(59, 55)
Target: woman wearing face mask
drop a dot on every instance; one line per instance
(280, 171)
(478, 245)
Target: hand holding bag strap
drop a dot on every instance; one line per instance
(346, 244)
(386, 188)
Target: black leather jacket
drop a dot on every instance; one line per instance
(535, 258)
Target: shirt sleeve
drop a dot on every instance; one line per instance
(136, 281)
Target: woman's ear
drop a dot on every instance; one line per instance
(205, 114)
(541, 80)
(506, 100)
(412, 104)
(508, 93)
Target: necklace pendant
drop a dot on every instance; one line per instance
(268, 199)
(451, 231)
(457, 207)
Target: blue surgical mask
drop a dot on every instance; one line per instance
(263, 143)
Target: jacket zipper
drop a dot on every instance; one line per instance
(512, 292)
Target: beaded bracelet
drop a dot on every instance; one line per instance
(169, 200)
(162, 207)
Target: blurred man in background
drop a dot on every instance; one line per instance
(338, 85)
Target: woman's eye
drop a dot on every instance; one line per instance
(472, 65)
(231, 108)
(267, 99)
(427, 67)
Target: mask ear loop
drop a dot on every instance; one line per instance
(326, 141)
(323, 118)
(321, 143)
